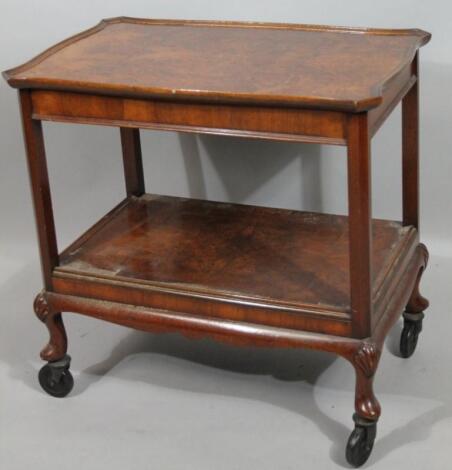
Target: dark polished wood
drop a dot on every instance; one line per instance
(360, 220)
(276, 123)
(271, 266)
(39, 179)
(132, 159)
(363, 354)
(56, 348)
(410, 152)
(417, 303)
(239, 274)
(180, 59)
(394, 92)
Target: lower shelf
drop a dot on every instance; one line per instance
(270, 266)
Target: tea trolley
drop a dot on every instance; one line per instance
(236, 273)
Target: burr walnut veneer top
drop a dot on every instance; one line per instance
(264, 64)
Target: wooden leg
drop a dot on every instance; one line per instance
(365, 362)
(359, 203)
(37, 168)
(55, 377)
(56, 348)
(133, 164)
(367, 409)
(417, 303)
(410, 153)
(414, 313)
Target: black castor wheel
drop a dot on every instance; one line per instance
(56, 379)
(412, 326)
(361, 441)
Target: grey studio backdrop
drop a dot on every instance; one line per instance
(85, 169)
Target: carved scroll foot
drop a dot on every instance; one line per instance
(367, 409)
(55, 377)
(56, 348)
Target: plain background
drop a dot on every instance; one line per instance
(163, 402)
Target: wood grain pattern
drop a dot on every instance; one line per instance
(393, 93)
(266, 258)
(320, 320)
(132, 159)
(56, 348)
(241, 332)
(363, 354)
(39, 181)
(360, 220)
(239, 274)
(410, 153)
(304, 125)
(290, 65)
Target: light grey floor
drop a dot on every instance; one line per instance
(163, 402)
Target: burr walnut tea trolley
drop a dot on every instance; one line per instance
(236, 273)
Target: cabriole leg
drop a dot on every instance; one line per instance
(55, 377)
(367, 408)
(414, 313)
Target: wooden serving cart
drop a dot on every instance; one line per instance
(236, 273)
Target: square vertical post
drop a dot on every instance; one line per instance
(37, 169)
(410, 152)
(360, 223)
(133, 164)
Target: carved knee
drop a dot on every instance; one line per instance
(365, 361)
(417, 303)
(56, 348)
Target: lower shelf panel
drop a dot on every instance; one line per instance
(259, 265)
(235, 332)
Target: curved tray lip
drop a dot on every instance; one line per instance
(214, 97)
